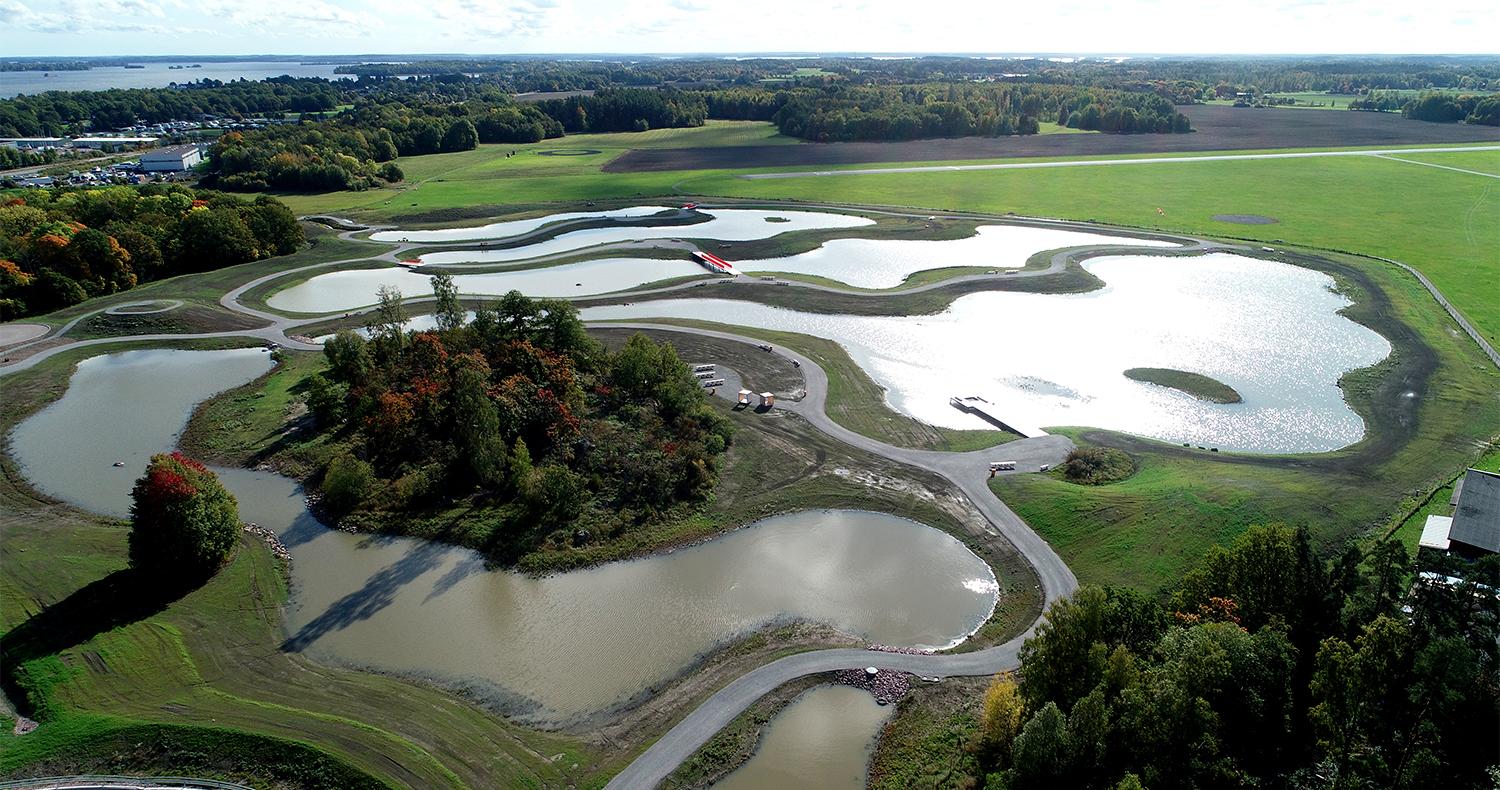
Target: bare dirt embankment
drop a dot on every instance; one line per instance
(1218, 128)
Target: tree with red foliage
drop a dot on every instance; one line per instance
(183, 522)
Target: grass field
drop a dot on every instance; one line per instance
(1147, 530)
(1479, 161)
(1445, 223)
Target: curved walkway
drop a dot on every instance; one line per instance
(967, 471)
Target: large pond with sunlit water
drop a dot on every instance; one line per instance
(862, 263)
(1270, 330)
(554, 649)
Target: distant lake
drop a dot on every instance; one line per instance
(154, 75)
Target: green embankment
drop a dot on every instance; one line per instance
(1450, 222)
(212, 658)
(1421, 431)
(1195, 384)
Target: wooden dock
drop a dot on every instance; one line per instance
(983, 409)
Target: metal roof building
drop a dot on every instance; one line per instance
(1476, 521)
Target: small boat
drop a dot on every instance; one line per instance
(119, 463)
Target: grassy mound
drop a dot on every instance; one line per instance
(1096, 466)
(1194, 384)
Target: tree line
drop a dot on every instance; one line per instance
(58, 113)
(356, 149)
(1266, 667)
(518, 415)
(910, 112)
(59, 247)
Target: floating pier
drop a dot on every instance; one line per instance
(715, 264)
(986, 411)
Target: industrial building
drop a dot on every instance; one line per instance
(173, 157)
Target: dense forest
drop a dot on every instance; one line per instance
(354, 150)
(60, 247)
(57, 113)
(910, 112)
(518, 416)
(1266, 667)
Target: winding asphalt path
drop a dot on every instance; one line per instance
(967, 471)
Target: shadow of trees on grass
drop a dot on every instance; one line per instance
(119, 599)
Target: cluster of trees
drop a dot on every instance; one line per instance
(1448, 108)
(627, 110)
(60, 247)
(909, 112)
(518, 412)
(1266, 668)
(183, 522)
(355, 150)
(57, 113)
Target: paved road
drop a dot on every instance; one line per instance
(1112, 162)
(967, 471)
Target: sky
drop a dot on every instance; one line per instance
(220, 27)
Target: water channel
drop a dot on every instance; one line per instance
(551, 649)
(823, 739)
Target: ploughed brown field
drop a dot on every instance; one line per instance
(1218, 128)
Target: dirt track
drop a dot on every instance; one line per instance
(1219, 128)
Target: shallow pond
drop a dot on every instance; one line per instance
(335, 291)
(728, 224)
(508, 228)
(864, 263)
(886, 263)
(1270, 330)
(824, 739)
(555, 648)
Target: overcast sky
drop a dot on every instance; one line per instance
(210, 27)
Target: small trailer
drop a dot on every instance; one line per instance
(711, 383)
(702, 368)
(707, 374)
(1002, 466)
(745, 397)
(768, 399)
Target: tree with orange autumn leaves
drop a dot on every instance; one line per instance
(521, 414)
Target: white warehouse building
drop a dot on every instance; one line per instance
(172, 157)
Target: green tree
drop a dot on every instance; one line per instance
(1040, 757)
(348, 356)
(450, 314)
(476, 427)
(183, 522)
(325, 400)
(461, 136)
(212, 238)
(388, 322)
(346, 483)
(1000, 721)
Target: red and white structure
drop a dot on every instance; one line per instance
(715, 264)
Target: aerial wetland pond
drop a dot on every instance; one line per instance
(553, 649)
(572, 647)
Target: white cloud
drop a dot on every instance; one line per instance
(41, 27)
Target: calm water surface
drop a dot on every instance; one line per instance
(822, 740)
(554, 648)
(728, 224)
(508, 228)
(886, 263)
(1270, 330)
(154, 75)
(327, 293)
(865, 263)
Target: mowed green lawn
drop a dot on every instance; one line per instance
(1478, 161)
